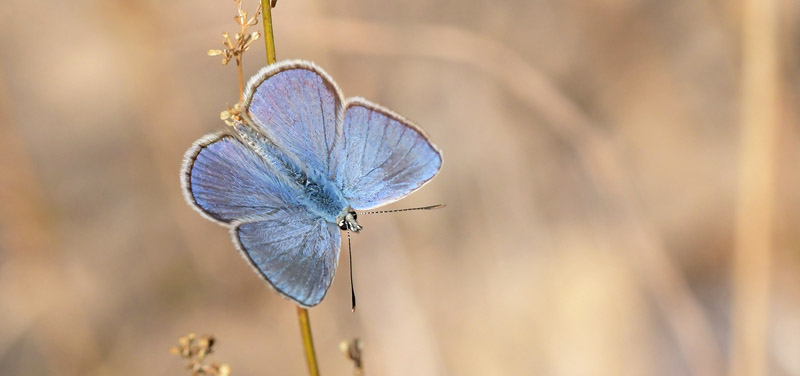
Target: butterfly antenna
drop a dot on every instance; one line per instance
(350, 256)
(431, 207)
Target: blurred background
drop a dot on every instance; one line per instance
(622, 199)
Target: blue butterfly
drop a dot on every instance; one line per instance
(298, 163)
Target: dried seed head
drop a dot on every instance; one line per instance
(241, 40)
(232, 114)
(194, 350)
(353, 350)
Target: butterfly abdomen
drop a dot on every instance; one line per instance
(315, 190)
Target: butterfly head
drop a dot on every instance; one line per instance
(346, 220)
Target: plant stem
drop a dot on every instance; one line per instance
(243, 33)
(302, 313)
(308, 342)
(241, 81)
(269, 39)
(760, 135)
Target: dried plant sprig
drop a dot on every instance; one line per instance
(194, 350)
(354, 350)
(232, 114)
(235, 49)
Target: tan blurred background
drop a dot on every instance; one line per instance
(593, 156)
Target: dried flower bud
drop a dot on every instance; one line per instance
(353, 350)
(194, 350)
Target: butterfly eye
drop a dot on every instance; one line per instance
(355, 215)
(342, 225)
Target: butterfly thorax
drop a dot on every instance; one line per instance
(316, 191)
(322, 197)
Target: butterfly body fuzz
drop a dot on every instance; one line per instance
(312, 189)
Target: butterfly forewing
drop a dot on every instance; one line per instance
(226, 181)
(383, 157)
(299, 107)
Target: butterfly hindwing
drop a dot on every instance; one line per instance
(382, 157)
(294, 251)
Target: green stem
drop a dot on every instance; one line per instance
(308, 342)
(269, 39)
(302, 313)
